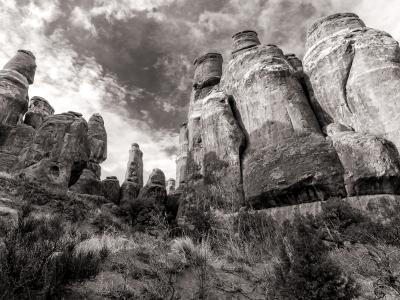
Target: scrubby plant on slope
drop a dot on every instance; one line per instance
(38, 258)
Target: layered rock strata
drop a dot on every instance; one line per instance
(15, 78)
(39, 108)
(354, 75)
(282, 132)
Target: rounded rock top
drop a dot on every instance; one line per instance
(210, 55)
(135, 146)
(23, 62)
(331, 24)
(244, 39)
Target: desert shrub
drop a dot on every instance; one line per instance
(340, 223)
(38, 258)
(305, 270)
(104, 221)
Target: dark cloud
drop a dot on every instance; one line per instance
(151, 50)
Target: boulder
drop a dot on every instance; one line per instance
(39, 108)
(97, 138)
(371, 164)
(354, 75)
(58, 153)
(287, 159)
(111, 189)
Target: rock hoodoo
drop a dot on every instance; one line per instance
(255, 130)
(15, 78)
(282, 131)
(134, 175)
(170, 184)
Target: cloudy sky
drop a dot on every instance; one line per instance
(131, 60)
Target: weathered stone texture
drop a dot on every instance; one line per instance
(111, 189)
(354, 76)
(208, 70)
(150, 205)
(223, 141)
(24, 62)
(13, 97)
(244, 40)
(97, 139)
(39, 108)
(134, 171)
(371, 164)
(59, 152)
(88, 183)
(287, 159)
(13, 139)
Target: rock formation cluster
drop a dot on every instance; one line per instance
(269, 132)
(266, 130)
(63, 152)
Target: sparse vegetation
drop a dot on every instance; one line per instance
(38, 258)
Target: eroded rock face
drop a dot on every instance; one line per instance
(97, 139)
(58, 153)
(111, 189)
(149, 207)
(208, 70)
(134, 170)
(39, 108)
(244, 40)
(24, 62)
(134, 176)
(13, 139)
(287, 159)
(354, 75)
(223, 141)
(371, 164)
(88, 183)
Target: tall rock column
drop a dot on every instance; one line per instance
(89, 181)
(181, 157)
(215, 137)
(354, 75)
(287, 159)
(134, 176)
(39, 108)
(15, 78)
